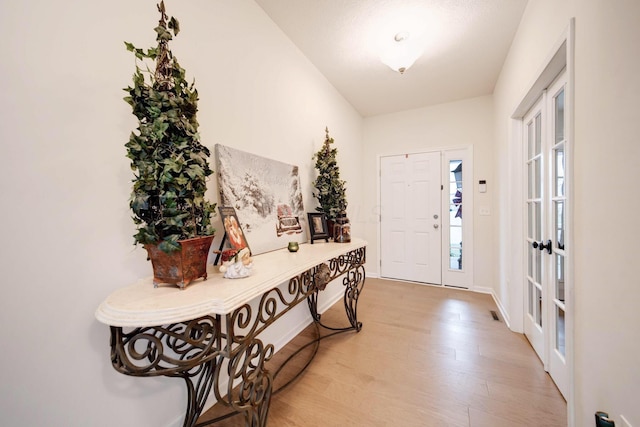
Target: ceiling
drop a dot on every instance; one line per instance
(464, 44)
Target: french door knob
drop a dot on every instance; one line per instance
(435, 226)
(542, 246)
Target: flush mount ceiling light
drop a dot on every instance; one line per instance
(401, 53)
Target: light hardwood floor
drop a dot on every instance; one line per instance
(426, 356)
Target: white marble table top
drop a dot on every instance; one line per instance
(140, 304)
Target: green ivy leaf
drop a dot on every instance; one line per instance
(169, 244)
(195, 171)
(182, 180)
(139, 202)
(174, 25)
(152, 53)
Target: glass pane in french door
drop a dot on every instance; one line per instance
(560, 331)
(559, 302)
(559, 191)
(559, 279)
(535, 302)
(559, 171)
(558, 221)
(534, 219)
(558, 113)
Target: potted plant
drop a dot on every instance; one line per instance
(170, 165)
(330, 190)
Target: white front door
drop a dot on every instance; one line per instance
(546, 201)
(410, 217)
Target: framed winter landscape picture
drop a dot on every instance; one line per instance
(266, 195)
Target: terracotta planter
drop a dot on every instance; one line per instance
(180, 267)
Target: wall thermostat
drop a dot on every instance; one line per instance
(482, 186)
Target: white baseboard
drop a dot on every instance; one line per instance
(482, 290)
(492, 292)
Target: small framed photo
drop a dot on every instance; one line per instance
(232, 228)
(318, 227)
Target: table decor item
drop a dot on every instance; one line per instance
(293, 247)
(318, 227)
(330, 190)
(237, 266)
(232, 228)
(266, 195)
(342, 229)
(170, 164)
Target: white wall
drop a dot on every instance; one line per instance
(529, 52)
(451, 125)
(606, 228)
(65, 181)
(607, 374)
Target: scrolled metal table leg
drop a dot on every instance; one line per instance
(198, 392)
(253, 396)
(187, 350)
(354, 283)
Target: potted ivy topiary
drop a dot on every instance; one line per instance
(170, 165)
(330, 190)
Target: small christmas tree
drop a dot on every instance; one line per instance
(330, 189)
(169, 162)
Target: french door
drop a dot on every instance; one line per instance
(546, 220)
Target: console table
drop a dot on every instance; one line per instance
(209, 330)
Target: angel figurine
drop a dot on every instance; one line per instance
(238, 266)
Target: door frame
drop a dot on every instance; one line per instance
(562, 55)
(462, 278)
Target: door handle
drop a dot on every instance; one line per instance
(542, 246)
(436, 226)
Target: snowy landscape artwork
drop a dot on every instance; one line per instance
(266, 195)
